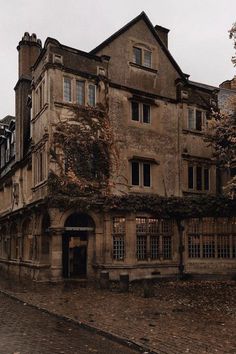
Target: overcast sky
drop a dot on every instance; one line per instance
(198, 37)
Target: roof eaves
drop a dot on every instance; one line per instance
(143, 16)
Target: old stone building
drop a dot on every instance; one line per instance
(92, 130)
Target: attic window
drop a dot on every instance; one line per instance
(142, 57)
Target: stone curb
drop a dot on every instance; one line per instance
(114, 337)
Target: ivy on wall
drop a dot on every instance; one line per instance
(82, 151)
(172, 207)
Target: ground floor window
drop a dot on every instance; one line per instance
(154, 238)
(118, 233)
(212, 238)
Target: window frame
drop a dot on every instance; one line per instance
(40, 166)
(74, 91)
(118, 239)
(140, 112)
(149, 229)
(141, 177)
(65, 78)
(193, 125)
(216, 238)
(205, 179)
(142, 50)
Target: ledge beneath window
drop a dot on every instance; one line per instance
(194, 132)
(39, 185)
(43, 109)
(189, 193)
(153, 71)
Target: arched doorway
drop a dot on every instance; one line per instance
(78, 229)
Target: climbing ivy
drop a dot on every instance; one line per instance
(172, 207)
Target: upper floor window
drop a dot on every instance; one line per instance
(79, 91)
(141, 112)
(140, 174)
(142, 56)
(40, 166)
(196, 119)
(67, 89)
(39, 97)
(198, 177)
(92, 95)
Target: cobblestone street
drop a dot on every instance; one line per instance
(25, 330)
(182, 317)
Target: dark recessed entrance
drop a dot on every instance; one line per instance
(75, 240)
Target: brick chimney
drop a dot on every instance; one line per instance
(29, 49)
(163, 34)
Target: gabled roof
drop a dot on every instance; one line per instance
(7, 120)
(144, 17)
(203, 86)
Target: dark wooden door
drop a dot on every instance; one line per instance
(65, 256)
(79, 261)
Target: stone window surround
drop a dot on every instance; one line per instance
(73, 88)
(195, 109)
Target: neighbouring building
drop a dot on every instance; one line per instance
(122, 121)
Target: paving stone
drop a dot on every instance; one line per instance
(182, 317)
(25, 330)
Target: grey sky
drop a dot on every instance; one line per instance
(198, 37)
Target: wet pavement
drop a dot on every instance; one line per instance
(25, 330)
(194, 317)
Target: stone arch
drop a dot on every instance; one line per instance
(62, 218)
(27, 239)
(3, 235)
(77, 219)
(45, 237)
(14, 243)
(77, 244)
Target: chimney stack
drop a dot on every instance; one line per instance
(163, 34)
(29, 49)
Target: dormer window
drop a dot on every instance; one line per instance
(142, 56)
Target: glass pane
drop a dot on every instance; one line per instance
(137, 53)
(135, 111)
(190, 177)
(154, 243)
(92, 95)
(135, 173)
(146, 175)
(206, 179)
(141, 226)
(147, 58)
(199, 178)
(67, 89)
(118, 248)
(80, 86)
(198, 120)
(146, 113)
(191, 120)
(208, 243)
(141, 247)
(118, 226)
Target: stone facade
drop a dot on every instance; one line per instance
(154, 118)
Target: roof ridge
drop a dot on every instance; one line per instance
(143, 16)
